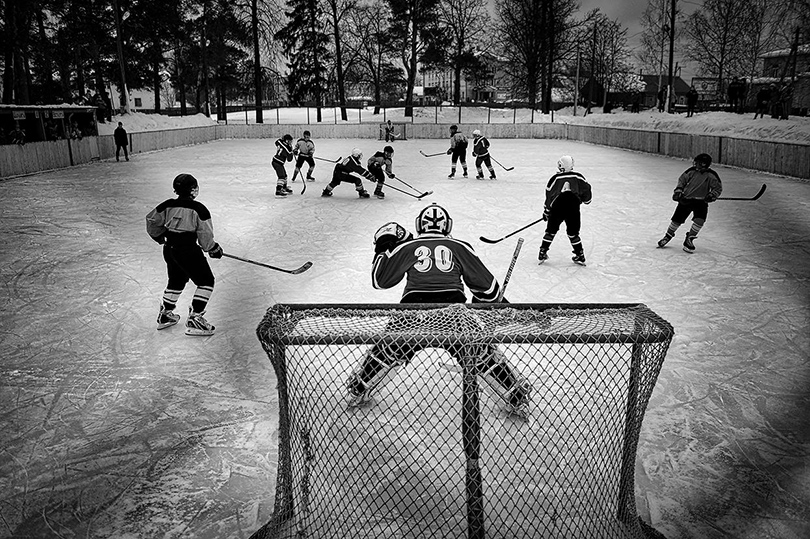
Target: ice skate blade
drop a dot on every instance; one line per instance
(194, 332)
(167, 324)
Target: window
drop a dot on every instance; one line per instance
(138, 102)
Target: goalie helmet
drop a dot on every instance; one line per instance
(434, 219)
(357, 153)
(565, 163)
(704, 160)
(186, 185)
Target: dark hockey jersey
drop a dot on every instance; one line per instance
(283, 151)
(434, 263)
(181, 221)
(350, 166)
(564, 182)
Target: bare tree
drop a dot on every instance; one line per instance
(465, 24)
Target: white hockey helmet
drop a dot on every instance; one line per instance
(357, 153)
(434, 219)
(565, 163)
(477, 133)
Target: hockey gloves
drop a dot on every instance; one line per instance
(389, 236)
(711, 197)
(216, 251)
(677, 194)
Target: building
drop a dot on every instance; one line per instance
(778, 70)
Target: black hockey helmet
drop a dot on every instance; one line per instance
(703, 159)
(307, 133)
(453, 128)
(185, 185)
(287, 137)
(388, 149)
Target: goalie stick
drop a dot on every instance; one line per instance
(295, 271)
(759, 194)
(487, 240)
(432, 154)
(507, 169)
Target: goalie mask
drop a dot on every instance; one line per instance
(565, 164)
(185, 185)
(434, 219)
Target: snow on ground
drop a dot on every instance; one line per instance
(795, 129)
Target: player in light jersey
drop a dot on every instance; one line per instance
(436, 268)
(304, 151)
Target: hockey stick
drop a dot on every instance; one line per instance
(761, 190)
(327, 160)
(406, 183)
(418, 197)
(295, 271)
(432, 154)
(487, 240)
(503, 167)
(511, 267)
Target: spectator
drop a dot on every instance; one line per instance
(776, 102)
(121, 141)
(742, 95)
(733, 94)
(662, 97)
(785, 100)
(763, 101)
(75, 132)
(691, 101)
(17, 135)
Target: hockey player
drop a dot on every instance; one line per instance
(304, 151)
(565, 192)
(351, 171)
(436, 268)
(481, 154)
(381, 165)
(390, 136)
(697, 187)
(183, 226)
(284, 153)
(457, 150)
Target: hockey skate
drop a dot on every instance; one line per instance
(198, 326)
(363, 194)
(281, 192)
(498, 374)
(326, 193)
(378, 193)
(663, 241)
(166, 318)
(359, 391)
(451, 175)
(578, 258)
(465, 174)
(519, 398)
(542, 256)
(310, 178)
(479, 176)
(689, 244)
(289, 191)
(493, 177)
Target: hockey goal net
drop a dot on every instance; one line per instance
(437, 451)
(399, 132)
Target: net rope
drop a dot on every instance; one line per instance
(440, 449)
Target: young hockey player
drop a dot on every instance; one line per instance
(436, 268)
(284, 153)
(183, 226)
(381, 165)
(351, 171)
(697, 187)
(481, 154)
(457, 150)
(304, 151)
(565, 192)
(390, 136)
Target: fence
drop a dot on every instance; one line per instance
(789, 159)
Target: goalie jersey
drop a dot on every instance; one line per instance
(435, 264)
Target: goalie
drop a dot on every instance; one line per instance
(436, 267)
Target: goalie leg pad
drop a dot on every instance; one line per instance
(505, 380)
(372, 373)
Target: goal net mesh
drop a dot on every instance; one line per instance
(438, 449)
(397, 131)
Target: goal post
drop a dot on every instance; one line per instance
(399, 131)
(437, 450)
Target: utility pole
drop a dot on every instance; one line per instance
(670, 85)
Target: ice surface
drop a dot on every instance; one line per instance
(110, 428)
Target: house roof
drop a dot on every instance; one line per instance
(780, 53)
(651, 84)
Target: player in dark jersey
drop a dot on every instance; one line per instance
(481, 154)
(457, 150)
(381, 166)
(284, 153)
(183, 226)
(565, 192)
(351, 171)
(304, 151)
(697, 187)
(436, 267)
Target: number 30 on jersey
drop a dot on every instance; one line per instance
(442, 258)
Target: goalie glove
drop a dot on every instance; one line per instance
(389, 236)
